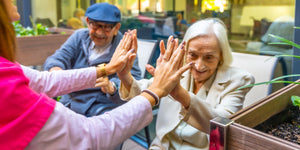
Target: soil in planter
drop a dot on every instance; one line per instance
(285, 125)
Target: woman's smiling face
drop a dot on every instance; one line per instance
(205, 52)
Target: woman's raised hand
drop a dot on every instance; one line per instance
(123, 54)
(167, 74)
(172, 43)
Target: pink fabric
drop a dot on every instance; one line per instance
(23, 111)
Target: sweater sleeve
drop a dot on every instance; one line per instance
(67, 130)
(60, 82)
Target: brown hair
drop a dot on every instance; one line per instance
(7, 34)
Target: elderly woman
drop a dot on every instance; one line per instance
(207, 90)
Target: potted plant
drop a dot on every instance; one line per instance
(37, 43)
(262, 125)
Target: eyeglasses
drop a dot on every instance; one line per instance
(106, 28)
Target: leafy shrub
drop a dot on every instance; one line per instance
(38, 29)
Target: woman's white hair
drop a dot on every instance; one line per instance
(207, 27)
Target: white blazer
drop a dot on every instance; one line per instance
(222, 100)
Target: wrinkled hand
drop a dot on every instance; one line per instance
(105, 85)
(170, 46)
(167, 74)
(134, 45)
(122, 54)
(151, 69)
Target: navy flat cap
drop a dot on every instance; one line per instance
(104, 12)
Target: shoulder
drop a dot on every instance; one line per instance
(9, 69)
(234, 74)
(234, 71)
(12, 76)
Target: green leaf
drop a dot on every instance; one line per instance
(38, 29)
(295, 100)
(288, 55)
(268, 82)
(297, 27)
(287, 42)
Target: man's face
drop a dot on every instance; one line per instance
(102, 33)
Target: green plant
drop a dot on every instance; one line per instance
(295, 99)
(37, 29)
(279, 79)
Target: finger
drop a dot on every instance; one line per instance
(131, 57)
(176, 43)
(170, 39)
(103, 81)
(162, 47)
(100, 84)
(159, 59)
(125, 40)
(105, 90)
(181, 62)
(129, 41)
(178, 55)
(171, 47)
(150, 69)
(184, 68)
(169, 51)
(99, 79)
(134, 41)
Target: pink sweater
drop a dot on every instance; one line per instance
(23, 111)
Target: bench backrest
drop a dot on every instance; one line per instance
(263, 68)
(146, 49)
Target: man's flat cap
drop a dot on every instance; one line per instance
(104, 12)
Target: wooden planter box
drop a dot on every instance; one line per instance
(237, 132)
(34, 50)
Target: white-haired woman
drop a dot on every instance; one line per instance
(207, 90)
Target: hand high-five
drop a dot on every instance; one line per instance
(168, 72)
(170, 46)
(124, 52)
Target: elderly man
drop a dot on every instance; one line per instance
(91, 47)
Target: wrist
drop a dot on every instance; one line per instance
(153, 95)
(158, 92)
(109, 69)
(181, 95)
(101, 70)
(104, 70)
(175, 92)
(149, 98)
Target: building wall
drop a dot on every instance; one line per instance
(243, 14)
(44, 9)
